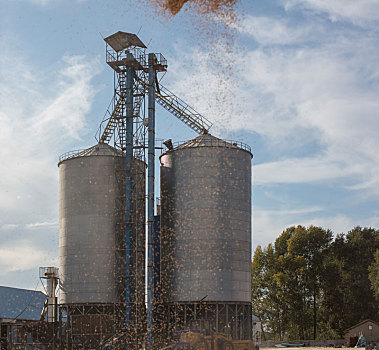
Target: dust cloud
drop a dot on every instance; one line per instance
(212, 26)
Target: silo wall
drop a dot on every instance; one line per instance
(206, 222)
(91, 229)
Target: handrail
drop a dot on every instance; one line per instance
(180, 109)
(212, 143)
(69, 154)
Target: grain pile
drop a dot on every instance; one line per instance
(216, 7)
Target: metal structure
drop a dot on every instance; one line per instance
(23, 322)
(206, 229)
(135, 75)
(50, 274)
(102, 218)
(125, 124)
(93, 245)
(181, 109)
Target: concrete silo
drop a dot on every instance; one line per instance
(206, 233)
(92, 246)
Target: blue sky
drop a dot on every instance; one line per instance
(300, 84)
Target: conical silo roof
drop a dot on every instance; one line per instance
(101, 149)
(208, 140)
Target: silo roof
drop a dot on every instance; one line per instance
(101, 149)
(208, 140)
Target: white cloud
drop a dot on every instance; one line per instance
(43, 2)
(22, 257)
(34, 2)
(269, 224)
(361, 12)
(42, 112)
(9, 227)
(301, 170)
(40, 2)
(39, 116)
(37, 225)
(268, 31)
(321, 97)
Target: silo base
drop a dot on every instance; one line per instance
(231, 318)
(98, 326)
(86, 326)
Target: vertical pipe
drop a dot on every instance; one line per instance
(157, 258)
(51, 274)
(128, 195)
(236, 322)
(217, 317)
(150, 198)
(227, 319)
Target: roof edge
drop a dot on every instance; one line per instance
(213, 142)
(360, 323)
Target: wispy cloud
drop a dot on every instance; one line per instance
(363, 12)
(22, 257)
(42, 111)
(301, 170)
(268, 224)
(37, 225)
(39, 115)
(269, 31)
(8, 227)
(42, 2)
(308, 87)
(321, 98)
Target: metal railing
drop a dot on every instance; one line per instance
(181, 109)
(210, 143)
(69, 154)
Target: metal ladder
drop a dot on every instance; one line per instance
(182, 110)
(168, 100)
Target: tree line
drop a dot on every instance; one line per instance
(309, 284)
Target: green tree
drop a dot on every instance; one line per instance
(267, 302)
(311, 244)
(332, 297)
(347, 296)
(374, 275)
(306, 285)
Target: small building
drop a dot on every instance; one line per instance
(16, 303)
(20, 313)
(369, 329)
(257, 330)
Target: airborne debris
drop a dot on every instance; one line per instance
(175, 5)
(215, 7)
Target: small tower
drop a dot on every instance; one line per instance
(50, 274)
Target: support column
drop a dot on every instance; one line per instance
(128, 196)
(150, 199)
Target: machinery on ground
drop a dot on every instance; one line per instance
(200, 335)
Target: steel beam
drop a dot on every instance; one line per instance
(128, 195)
(150, 198)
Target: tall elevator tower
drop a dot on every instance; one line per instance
(125, 124)
(135, 75)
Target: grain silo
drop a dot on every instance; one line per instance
(92, 245)
(206, 234)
